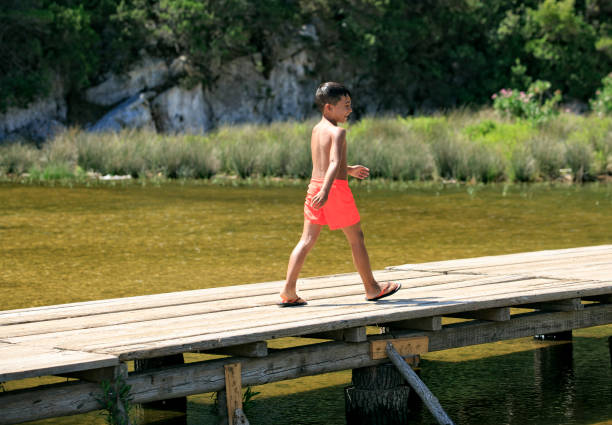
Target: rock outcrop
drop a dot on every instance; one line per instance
(39, 121)
(148, 74)
(180, 110)
(134, 113)
(150, 96)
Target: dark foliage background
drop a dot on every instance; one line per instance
(432, 53)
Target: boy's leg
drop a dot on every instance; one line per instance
(354, 234)
(298, 255)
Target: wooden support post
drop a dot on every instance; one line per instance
(108, 374)
(222, 408)
(178, 404)
(255, 349)
(233, 390)
(572, 304)
(556, 336)
(610, 349)
(603, 299)
(422, 324)
(357, 334)
(406, 346)
(379, 396)
(491, 314)
(418, 386)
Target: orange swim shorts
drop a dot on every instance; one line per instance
(339, 211)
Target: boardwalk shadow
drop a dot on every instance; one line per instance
(416, 302)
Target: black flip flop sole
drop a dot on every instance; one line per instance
(399, 285)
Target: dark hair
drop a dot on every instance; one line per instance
(331, 93)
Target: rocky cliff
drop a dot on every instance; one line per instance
(153, 95)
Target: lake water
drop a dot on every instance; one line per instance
(64, 244)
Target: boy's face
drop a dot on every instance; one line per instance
(341, 110)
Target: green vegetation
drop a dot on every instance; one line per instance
(417, 55)
(602, 103)
(533, 105)
(461, 146)
(115, 401)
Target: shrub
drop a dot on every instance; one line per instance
(602, 102)
(533, 104)
(549, 156)
(18, 158)
(524, 165)
(580, 158)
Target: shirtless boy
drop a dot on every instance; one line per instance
(329, 199)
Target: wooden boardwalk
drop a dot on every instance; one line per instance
(72, 339)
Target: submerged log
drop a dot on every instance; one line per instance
(379, 396)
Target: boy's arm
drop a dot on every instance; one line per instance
(335, 153)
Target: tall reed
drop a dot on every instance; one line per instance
(460, 145)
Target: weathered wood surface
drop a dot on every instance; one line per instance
(23, 361)
(233, 389)
(202, 377)
(105, 332)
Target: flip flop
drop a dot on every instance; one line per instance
(286, 302)
(386, 291)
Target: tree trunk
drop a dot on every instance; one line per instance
(379, 396)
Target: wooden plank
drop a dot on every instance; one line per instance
(404, 346)
(172, 330)
(202, 377)
(166, 312)
(222, 319)
(571, 304)
(254, 349)
(23, 361)
(518, 258)
(167, 346)
(418, 386)
(397, 313)
(233, 389)
(492, 314)
(433, 323)
(357, 334)
(173, 299)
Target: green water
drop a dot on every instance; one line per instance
(65, 244)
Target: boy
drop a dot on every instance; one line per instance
(329, 199)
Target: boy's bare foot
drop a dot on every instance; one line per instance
(387, 289)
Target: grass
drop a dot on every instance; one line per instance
(456, 146)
